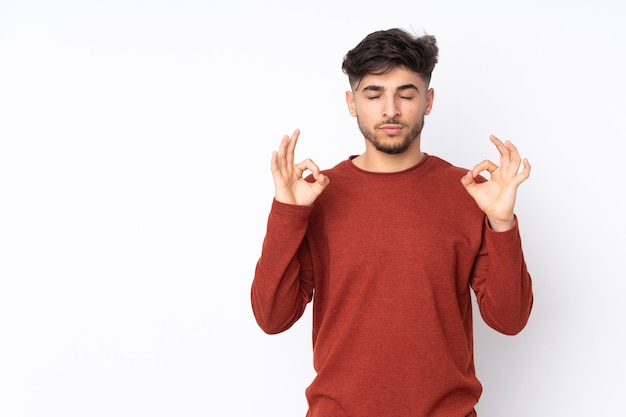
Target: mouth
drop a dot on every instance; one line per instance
(391, 130)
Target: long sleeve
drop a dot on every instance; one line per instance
(283, 281)
(501, 281)
(391, 259)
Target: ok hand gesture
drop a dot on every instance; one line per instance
(290, 186)
(496, 196)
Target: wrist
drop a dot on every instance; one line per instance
(499, 225)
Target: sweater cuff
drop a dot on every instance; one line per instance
(508, 238)
(290, 210)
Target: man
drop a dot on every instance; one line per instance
(387, 245)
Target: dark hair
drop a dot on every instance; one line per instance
(381, 51)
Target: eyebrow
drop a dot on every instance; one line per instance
(399, 88)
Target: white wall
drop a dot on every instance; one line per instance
(135, 139)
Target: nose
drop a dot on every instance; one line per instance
(391, 108)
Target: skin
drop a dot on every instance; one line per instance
(390, 110)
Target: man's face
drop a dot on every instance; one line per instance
(390, 108)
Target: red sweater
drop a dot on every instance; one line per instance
(391, 258)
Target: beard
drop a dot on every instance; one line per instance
(400, 145)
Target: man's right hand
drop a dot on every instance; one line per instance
(291, 188)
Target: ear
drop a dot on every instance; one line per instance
(430, 97)
(350, 103)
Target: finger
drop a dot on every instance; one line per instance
(468, 179)
(277, 164)
(505, 156)
(525, 171)
(291, 146)
(320, 183)
(281, 153)
(485, 165)
(499, 144)
(514, 154)
(309, 165)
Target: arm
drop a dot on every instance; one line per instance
(500, 278)
(283, 280)
(501, 281)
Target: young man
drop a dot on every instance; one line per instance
(387, 245)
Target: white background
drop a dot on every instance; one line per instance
(135, 140)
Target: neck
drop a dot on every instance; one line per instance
(374, 160)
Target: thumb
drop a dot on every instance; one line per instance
(468, 181)
(320, 183)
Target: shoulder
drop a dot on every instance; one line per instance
(341, 169)
(442, 165)
(448, 170)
